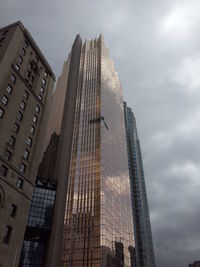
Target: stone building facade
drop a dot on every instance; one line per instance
(26, 84)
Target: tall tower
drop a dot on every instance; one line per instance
(141, 219)
(92, 223)
(98, 229)
(26, 84)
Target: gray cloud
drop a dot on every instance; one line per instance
(155, 47)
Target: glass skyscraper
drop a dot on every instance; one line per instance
(98, 227)
(141, 220)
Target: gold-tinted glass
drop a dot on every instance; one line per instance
(98, 227)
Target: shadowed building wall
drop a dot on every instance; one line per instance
(141, 219)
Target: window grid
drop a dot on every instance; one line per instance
(41, 210)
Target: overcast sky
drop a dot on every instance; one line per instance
(155, 45)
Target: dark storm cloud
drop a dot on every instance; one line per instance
(155, 47)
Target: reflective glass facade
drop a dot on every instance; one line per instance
(141, 219)
(98, 227)
(39, 223)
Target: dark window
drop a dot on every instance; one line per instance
(13, 78)
(26, 94)
(26, 154)
(1, 39)
(19, 116)
(4, 100)
(9, 89)
(23, 51)
(12, 140)
(22, 167)
(1, 112)
(29, 141)
(20, 183)
(5, 32)
(37, 59)
(31, 73)
(25, 44)
(20, 59)
(37, 109)
(16, 128)
(4, 170)
(7, 154)
(2, 197)
(32, 129)
(35, 118)
(7, 234)
(23, 105)
(13, 210)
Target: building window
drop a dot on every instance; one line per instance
(13, 78)
(32, 129)
(13, 210)
(19, 115)
(35, 118)
(1, 39)
(42, 89)
(20, 59)
(9, 89)
(26, 154)
(23, 105)
(20, 183)
(31, 73)
(3, 170)
(22, 168)
(25, 44)
(26, 94)
(1, 112)
(43, 81)
(40, 97)
(7, 234)
(45, 74)
(12, 140)
(29, 141)
(23, 51)
(2, 197)
(5, 32)
(17, 67)
(37, 109)
(4, 100)
(16, 128)
(7, 154)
